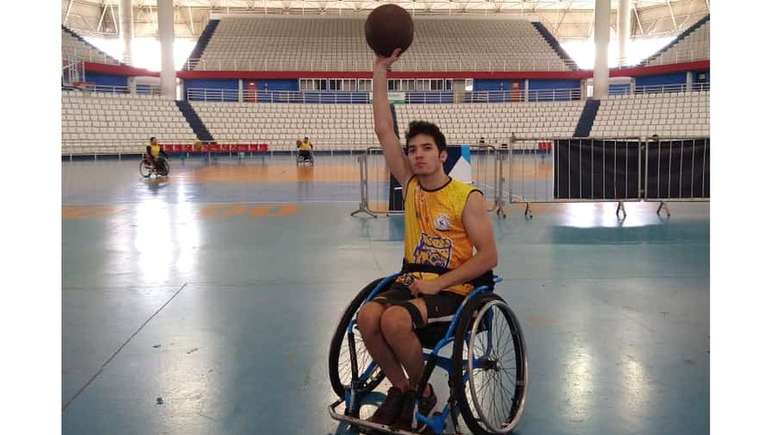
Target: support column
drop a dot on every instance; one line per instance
(241, 88)
(624, 29)
(689, 81)
(601, 41)
(167, 38)
(526, 90)
(126, 28)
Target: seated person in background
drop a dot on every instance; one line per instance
(305, 148)
(153, 150)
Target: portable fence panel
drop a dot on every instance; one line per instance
(677, 169)
(484, 173)
(530, 170)
(597, 169)
(384, 197)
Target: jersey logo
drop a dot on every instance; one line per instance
(435, 251)
(442, 222)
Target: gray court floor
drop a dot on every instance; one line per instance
(204, 303)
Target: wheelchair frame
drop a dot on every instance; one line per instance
(437, 422)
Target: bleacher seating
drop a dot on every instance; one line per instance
(103, 123)
(329, 126)
(75, 47)
(692, 45)
(466, 123)
(643, 115)
(337, 44)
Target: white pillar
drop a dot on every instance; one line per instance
(167, 39)
(689, 81)
(601, 41)
(241, 88)
(131, 83)
(126, 28)
(526, 89)
(624, 29)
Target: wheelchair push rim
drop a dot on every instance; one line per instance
(145, 169)
(496, 336)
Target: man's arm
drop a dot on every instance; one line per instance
(383, 124)
(479, 229)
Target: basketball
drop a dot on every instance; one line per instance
(389, 27)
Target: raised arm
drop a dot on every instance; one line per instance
(383, 124)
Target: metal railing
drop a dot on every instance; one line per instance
(558, 170)
(486, 171)
(89, 55)
(347, 63)
(113, 147)
(364, 97)
(678, 54)
(139, 89)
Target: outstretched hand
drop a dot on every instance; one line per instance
(386, 62)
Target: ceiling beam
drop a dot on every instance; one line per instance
(639, 24)
(672, 13)
(113, 16)
(67, 12)
(101, 16)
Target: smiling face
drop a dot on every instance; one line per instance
(423, 155)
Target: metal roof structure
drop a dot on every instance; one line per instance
(566, 19)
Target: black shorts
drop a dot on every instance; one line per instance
(441, 308)
(307, 154)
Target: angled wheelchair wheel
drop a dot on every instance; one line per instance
(162, 167)
(339, 364)
(145, 169)
(489, 366)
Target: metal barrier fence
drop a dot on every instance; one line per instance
(557, 170)
(344, 63)
(486, 171)
(364, 96)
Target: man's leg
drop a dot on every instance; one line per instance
(369, 323)
(396, 325)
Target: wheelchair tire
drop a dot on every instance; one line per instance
(162, 167)
(335, 371)
(145, 170)
(470, 330)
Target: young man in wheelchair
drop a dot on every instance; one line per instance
(448, 242)
(153, 150)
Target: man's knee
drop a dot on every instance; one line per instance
(395, 321)
(369, 317)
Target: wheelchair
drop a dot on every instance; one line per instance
(161, 168)
(307, 159)
(487, 371)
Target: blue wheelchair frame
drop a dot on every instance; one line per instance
(435, 423)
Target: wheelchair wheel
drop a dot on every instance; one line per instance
(339, 366)
(145, 169)
(162, 167)
(492, 395)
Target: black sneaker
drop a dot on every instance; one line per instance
(390, 409)
(426, 406)
(405, 420)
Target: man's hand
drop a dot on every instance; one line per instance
(423, 287)
(385, 62)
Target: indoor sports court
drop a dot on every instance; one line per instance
(224, 214)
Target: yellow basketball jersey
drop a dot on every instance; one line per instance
(155, 150)
(434, 232)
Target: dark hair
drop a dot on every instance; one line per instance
(428, 128)
(152, 137)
